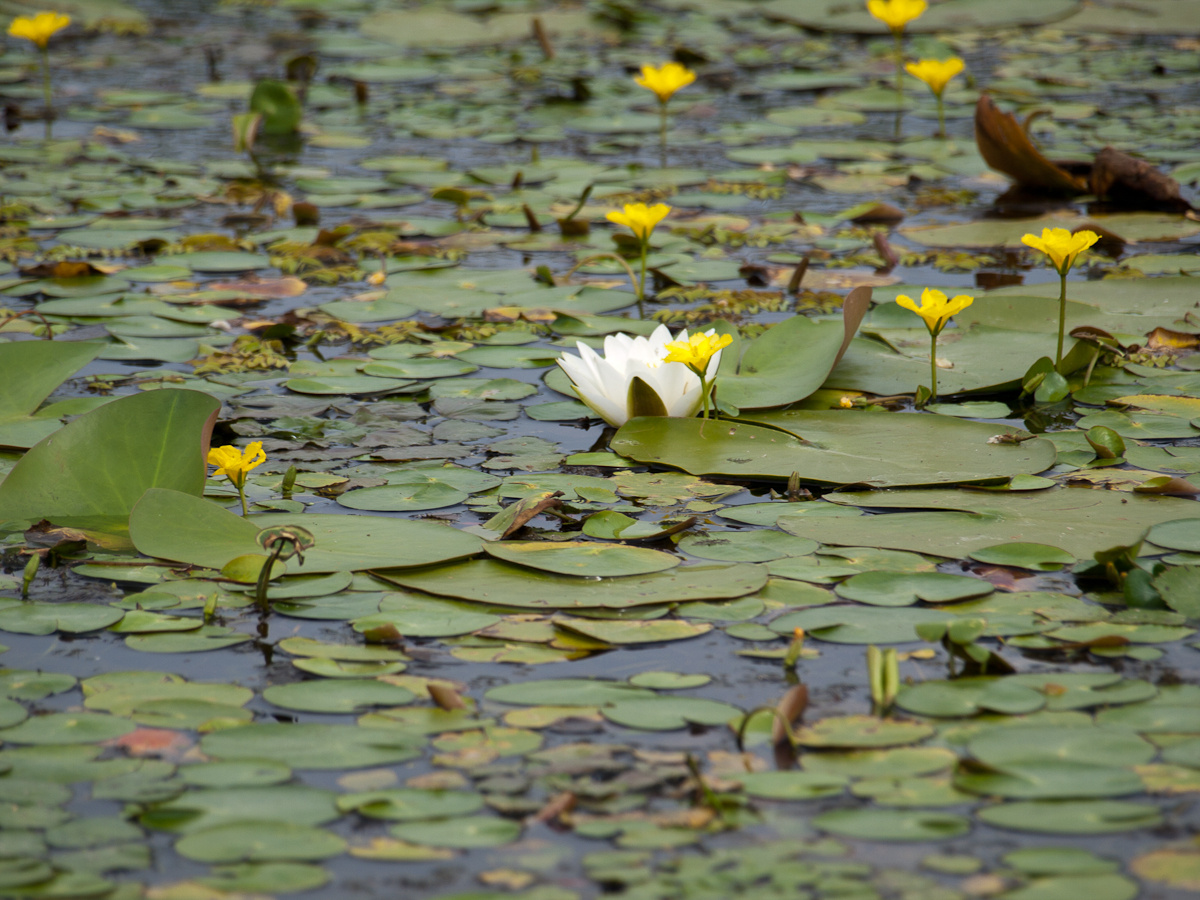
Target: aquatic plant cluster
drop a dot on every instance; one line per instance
(544, 451)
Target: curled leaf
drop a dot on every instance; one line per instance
(1006, 147)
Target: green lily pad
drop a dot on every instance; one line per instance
(582, 558)
(1038, 557)
(859, 625)
(312, 746)
(1072, 816)
(220, 261)
(893, 824)
(212, 536)
(47, 618)
(68, 728)
(489, 581)
(745, 546)
(894, 589)
(459, 832)
(968, 696)
(402, 497)
(834, 448)
(256, 841)
(955, 523)
(336, 695)
(32, 369)
(265, 877)
(669, 681)
(98, 466)
(411, 804)
(568, 692)
(861, 731)
(200, 640)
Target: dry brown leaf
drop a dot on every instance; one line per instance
(1006, 147)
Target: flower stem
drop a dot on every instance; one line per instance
(242, 494)
(899, 69)
(641, 291)
(1062, 316)
(704, 391)
(941, 118)
(46, 93)
(933, 364)
(662, 134)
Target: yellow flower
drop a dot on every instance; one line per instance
(895, 14)
(935, 72)
(936, 309)
(234, 463)
(39, 28)
(640, 218)
(666, 79)
(1061, 246)
(697, 350)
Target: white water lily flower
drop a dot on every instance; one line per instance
(631, 378)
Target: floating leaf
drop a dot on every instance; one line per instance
(893, 824)
(489, 581)
(31, 370)
(97, 467)
(583, 559)
(1072, 816)
(1080, 521)
(834, 448)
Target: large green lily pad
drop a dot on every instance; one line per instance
(834, 448)
(29, 371)
(582, 558)
(954, 523)
(176, 526)
(980, 358)
(93, 471)
(504, 584)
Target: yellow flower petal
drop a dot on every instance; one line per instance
(697, 350)
(935, 72)
(39, 28)
(234, 463)
(895, 14)
(936, 308)
(640, 218)
(1061, 246)
(666, 79)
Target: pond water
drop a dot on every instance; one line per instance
(431, 711)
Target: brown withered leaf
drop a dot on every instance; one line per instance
(1006, 147)
(45, 535)
(1128, 182)
(790, 709)
(67, 268)
(1166, 484)
(556, 807)
(517, 313)
(1166, 339)
(263, 288)
(879, 214)
(446, 697)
